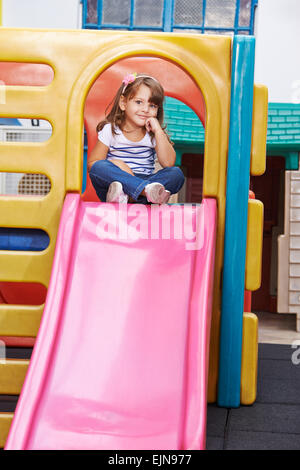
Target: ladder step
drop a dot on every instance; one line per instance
(12, 375)
(5, 423)
(23, 266)
(20, 320)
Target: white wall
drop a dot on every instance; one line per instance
(65, 14)
(277, 65)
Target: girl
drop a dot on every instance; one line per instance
(121, 165)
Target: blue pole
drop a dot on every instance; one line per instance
(168, 15)
(131, 21)
(237, 15)
(253, 6)
(84, 12)
(99, 13)
(203, 15)
(237, 194)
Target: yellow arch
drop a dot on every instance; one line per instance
(198, 72)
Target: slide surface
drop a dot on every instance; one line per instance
(121, 357)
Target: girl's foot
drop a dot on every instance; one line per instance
(156, 193)
(115, 193)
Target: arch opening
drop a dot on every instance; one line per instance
(185, 114)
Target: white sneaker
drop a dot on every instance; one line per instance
(115, 193)
(156, 193)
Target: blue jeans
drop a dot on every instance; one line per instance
(104, 172)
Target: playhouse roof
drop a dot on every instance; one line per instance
(284, 125)
(184, 126)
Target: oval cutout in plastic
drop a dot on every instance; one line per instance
(25, 74)
(23, 239)
(22, 293)
(24, 130)
(33, 184)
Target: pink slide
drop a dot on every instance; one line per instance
(121, 357)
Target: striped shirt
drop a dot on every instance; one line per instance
(139, 156)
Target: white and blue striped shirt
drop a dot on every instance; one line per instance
(139, 156)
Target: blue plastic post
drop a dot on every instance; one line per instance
(168, 15)
(237, 193)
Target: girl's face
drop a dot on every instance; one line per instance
(138, 108)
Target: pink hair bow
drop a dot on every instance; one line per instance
(129, 78)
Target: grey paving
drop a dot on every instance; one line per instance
(273, 421)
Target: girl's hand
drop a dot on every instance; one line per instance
(152, 125)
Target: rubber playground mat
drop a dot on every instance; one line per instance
(271, 423)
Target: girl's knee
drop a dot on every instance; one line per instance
(99, 165)
(177, 172)
(177, 178)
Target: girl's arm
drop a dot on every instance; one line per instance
(164, 149)
(99, 152)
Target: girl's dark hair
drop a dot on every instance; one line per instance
(116, 117)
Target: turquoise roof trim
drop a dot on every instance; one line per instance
(284, 125)
(184, 126)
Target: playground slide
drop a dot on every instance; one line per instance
(121, 357)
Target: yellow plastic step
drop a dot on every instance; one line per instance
(5, 423)
(12, 375)
(20, 320)
(249, 359)
(254, 244)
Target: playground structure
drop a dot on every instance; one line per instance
(62, 104)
